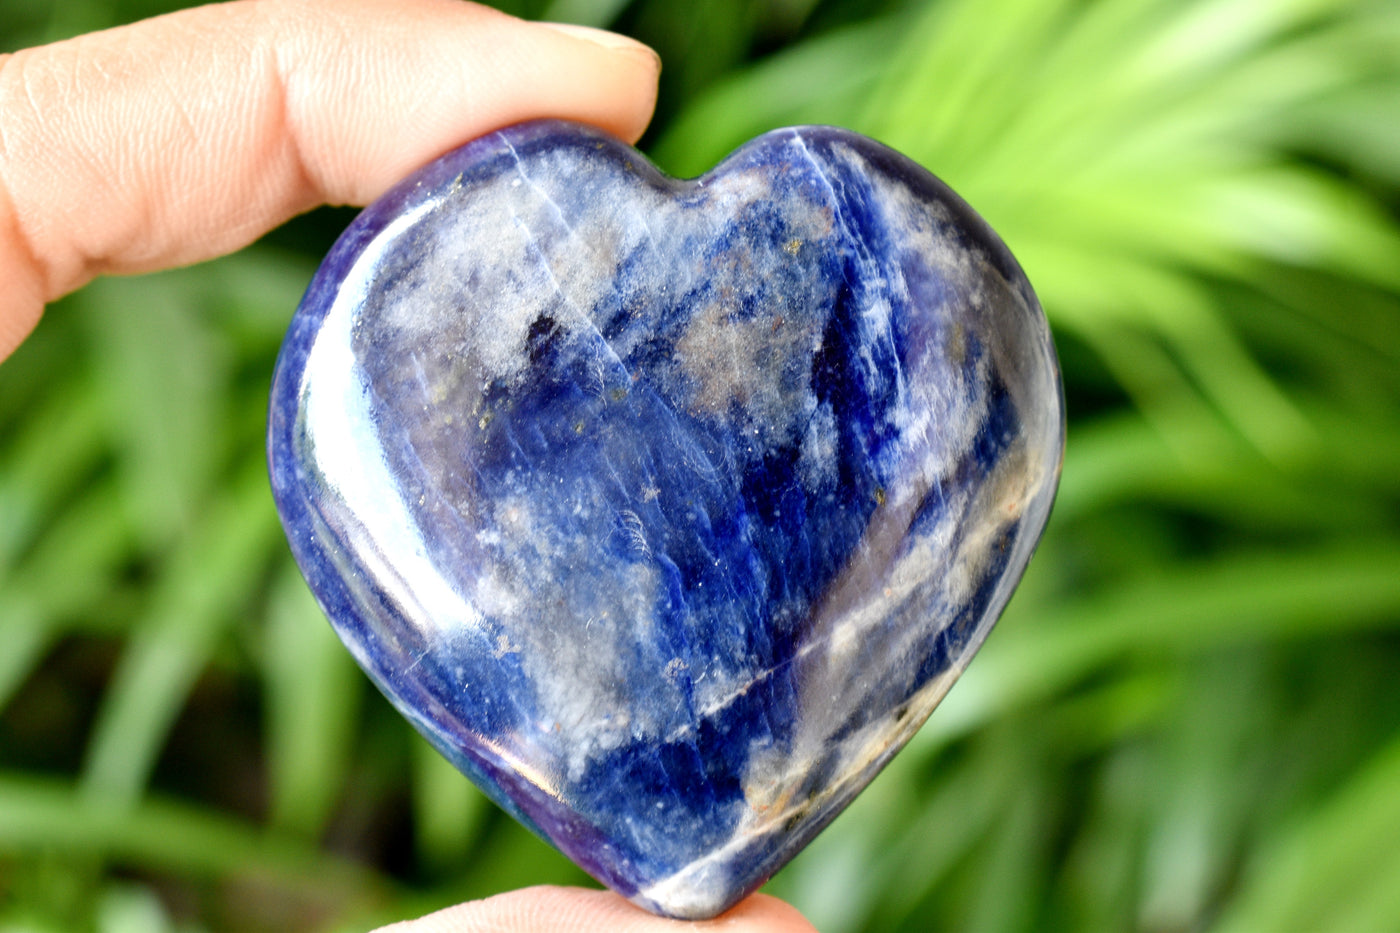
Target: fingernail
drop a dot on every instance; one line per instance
(608, 40)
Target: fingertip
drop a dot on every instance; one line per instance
(634, 65)
(612, 41)
(763, 913)
(552, 909)
(441, 72)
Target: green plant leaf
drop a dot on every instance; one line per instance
(313, 702)
(1332, 868)
(44, 814)
(202, 589)
(448, 811)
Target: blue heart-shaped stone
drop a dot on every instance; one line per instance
(667, 510)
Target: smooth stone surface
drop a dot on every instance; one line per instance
(667, 510)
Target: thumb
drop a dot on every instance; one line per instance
(575, 910)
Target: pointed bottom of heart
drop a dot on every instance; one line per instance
(787, 803)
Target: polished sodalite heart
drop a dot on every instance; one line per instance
(667, 510)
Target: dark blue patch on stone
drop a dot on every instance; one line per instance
(667, 510)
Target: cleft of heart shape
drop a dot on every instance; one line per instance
(667, 509)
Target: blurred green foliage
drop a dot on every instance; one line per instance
(1187, 720)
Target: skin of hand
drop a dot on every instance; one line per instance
(573, 910)
(188, 136)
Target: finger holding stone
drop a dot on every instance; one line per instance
(548, 909)
(188, 136)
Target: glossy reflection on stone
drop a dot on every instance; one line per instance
(667, 510)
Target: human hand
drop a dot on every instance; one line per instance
(184, 137)
(574, 910)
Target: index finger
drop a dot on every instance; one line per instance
(188, 136)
